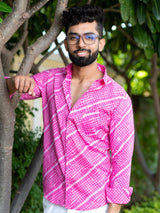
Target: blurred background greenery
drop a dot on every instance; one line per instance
(132, 33)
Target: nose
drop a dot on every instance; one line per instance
(81, 42)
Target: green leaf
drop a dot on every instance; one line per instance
(1, 20)
(156, 8)
(142, 37)
(153, 23)
(133, 18)
(149, 52)
(5, 8)
(141, 74)
(125, 9)
(141, 12)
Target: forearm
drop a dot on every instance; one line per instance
(114, 208)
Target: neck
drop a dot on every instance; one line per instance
(86, 73)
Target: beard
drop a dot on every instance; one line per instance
(83, 61)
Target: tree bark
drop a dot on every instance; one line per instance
(156, 101)
(142, 161)
(44, 41)
(28, 180)
(7, 116)
(64, 58)
(7, 120)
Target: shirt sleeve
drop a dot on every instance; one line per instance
(121, 145)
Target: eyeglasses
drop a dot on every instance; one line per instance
(88, 38)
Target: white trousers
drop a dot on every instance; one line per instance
(53, 208)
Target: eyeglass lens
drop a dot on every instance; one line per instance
(88, 38)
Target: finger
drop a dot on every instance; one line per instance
(16, 82)
(21, 84)
(27, 84)
(31, 89)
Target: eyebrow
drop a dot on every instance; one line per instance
(73, 33)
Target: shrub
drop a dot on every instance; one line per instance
(25, 143)
(148, 205)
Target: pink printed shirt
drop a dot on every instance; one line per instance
(88, 148)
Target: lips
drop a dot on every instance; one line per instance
(82, 52)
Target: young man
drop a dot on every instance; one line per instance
(88, 123)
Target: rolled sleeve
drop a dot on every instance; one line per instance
(119, 195)
(121, 144)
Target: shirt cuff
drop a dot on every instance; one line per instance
(119, 195)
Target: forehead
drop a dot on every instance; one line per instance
(83, 28)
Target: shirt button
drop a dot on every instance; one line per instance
(68, 183)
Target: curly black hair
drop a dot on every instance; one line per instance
(81, 14)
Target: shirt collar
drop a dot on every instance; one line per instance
(100, 67)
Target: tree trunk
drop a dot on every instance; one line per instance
(7, 116)
(28, 180)
(156, 101)
(7, 119)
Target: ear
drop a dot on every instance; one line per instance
(102, 43)
(65, 44)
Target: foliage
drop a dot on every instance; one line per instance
(144, 16)
(146, 125)
(148, 205)
(4, 8)
(25, 143)
(139, 74)
(140, 20)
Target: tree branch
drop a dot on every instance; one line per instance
(6, 57)
(118, 71)
(37, 7)
(34, 69)
(113, 66)
(64, 58)
(28, 180)
(134, 57)
(13, 21)
(107, 10)
(155, 94)
(44, 41)
(48, 54)
(41, 44)
(22, 39)
(141, 159)
(112, 9)
(127, 35)
(6, 144)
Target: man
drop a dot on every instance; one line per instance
(88, 123)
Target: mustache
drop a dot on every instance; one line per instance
(82, 50)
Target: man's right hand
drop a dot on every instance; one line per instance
(22, 84)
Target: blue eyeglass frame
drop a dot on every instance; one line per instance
(81, 36)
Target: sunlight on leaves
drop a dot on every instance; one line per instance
(141, 74)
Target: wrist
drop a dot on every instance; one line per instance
(114, 208)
